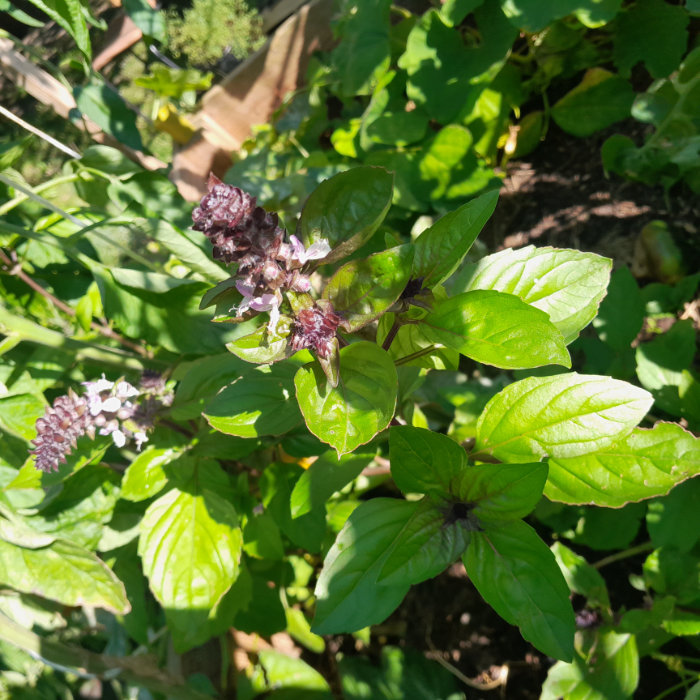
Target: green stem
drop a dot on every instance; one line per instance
(415, 355)
(17, 327)
(624, 554)
(672, 689)
(101, 329)
(135, 670)
(86, 227)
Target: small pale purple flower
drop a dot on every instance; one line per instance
(264, 302)
(316, 251)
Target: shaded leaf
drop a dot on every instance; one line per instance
(348, 597)
(259, 402)
(517, 575)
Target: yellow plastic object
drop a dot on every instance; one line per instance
(174, 124)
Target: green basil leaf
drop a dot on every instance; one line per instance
(561, 416)
(288, 677)
(643, 464)
(145, 476)
(323, 478)
(496, 329)
(674, 521)
(262, 346)
(149, 20)
(426, 545)
(348, 597)
(599, 100)
(276, 484)
(64, 572)
(568, 285)
(581, 577)
(612, 672)
(667, 24)
(105, 106)
(190, 545)
(362, 404)
(423, 461)
(362, 290)
(257, 403)
(441, 248)
(519, 578)
(69, 15)
(621, 314)
(500, 491)
(346, 210)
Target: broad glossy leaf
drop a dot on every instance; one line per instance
(362, 404)
(534, 15)
(428, 543)
(178, 242)
(568, 285)
(423, 461)
(348, 597)
(500, 491)
(599, 100)
(199, 381)
(519, 578)
(262, 346)
(63, 572)
(149, 20)
(441, 248)
(19, 413)
(69, 15)
(645, 19)
(323, 478)
(622, 312)
(643, 464)
(289, 677)
(611, 673)
(85, 503)
(674, 521)
(661, 362)
(104, 106)
(259, 402)
(364, 53)
(276, 484)
(561, 416)
(145, 476)
(496, 329)
(441, 67)
(347, 209)
(581, 577)
(362, 290)
(190, 545)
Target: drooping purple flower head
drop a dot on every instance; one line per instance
(315, 328)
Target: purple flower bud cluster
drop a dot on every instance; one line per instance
(315, 328)
(105, 408)
(244, 233)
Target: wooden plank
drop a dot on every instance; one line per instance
(47, 89)
(250, 94)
